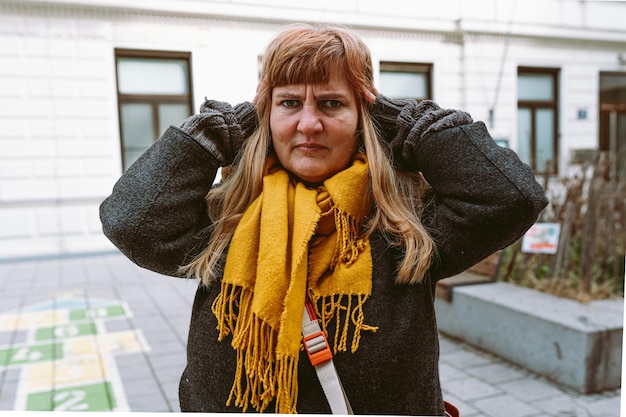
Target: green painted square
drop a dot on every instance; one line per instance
(31, 354)
(91, 397)
(41, 401)
(97, 313)
(65, 331)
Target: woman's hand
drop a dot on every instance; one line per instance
(222, 129)
(403, 123)
(370, 96)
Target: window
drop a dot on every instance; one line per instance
(405, 80)
(613, 118)
(537, 106)
(153, 92)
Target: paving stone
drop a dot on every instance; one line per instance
(167, 375)
(6, 338)
(6, 268)
(174, 405)
(134, 367)
(605, 407)
(21, 284)
(531, 389)
(182, 320)
(171, 393)
(144, 313)
(7, 395)
(7, 402)
(505, 405)
(151, 403)
(74, 280)
(168, 360)
(183, 333)
(448, 372)
(10, 376)
(464, 407)
(471, 388)
(160, 336)
(447, 345)
(20, 336)
(117, 325)
(564, 406)
(31, 299)
(497, 373)
(9, 302)
(142, 387)
(464, 358)
(102, 291)
(160, 349)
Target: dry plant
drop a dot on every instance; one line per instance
(589, 264)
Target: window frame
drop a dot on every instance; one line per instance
(154, 100)
(413, 67)
(533, 106)
(606, 109)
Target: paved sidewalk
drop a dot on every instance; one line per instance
(98, 333)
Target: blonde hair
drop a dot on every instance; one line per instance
(307, 54)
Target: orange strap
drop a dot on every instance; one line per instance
(451, 411)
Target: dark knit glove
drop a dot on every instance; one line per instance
(222, 129)
(404, 122)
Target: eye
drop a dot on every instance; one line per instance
(331, 103)
(289, 103)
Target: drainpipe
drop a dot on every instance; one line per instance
(505, 52)
(461, 35)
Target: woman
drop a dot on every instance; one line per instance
(354, 202)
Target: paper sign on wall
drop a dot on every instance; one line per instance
(542, 238)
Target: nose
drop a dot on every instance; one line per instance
(310, 122)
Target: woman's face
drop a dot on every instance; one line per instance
(314, 128)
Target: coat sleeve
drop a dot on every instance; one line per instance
(157, 209)
(483, 198)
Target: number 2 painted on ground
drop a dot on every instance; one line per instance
(70, 401)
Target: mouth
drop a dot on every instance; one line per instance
(309, 146)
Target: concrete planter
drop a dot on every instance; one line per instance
(574, 344)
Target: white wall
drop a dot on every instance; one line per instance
(59, 141)
(57, 134)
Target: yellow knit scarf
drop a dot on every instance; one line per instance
(291, 241)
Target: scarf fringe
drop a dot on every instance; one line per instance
(260, 375)
(340, 309)
(348, 245)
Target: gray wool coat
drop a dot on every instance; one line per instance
(483, 199)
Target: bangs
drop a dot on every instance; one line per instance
(301, 70)
(299, 61)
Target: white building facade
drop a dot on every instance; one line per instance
(86, 85)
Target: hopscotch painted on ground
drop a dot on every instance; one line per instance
(67, 361)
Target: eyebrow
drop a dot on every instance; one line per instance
(287, 95)
(330, 95)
